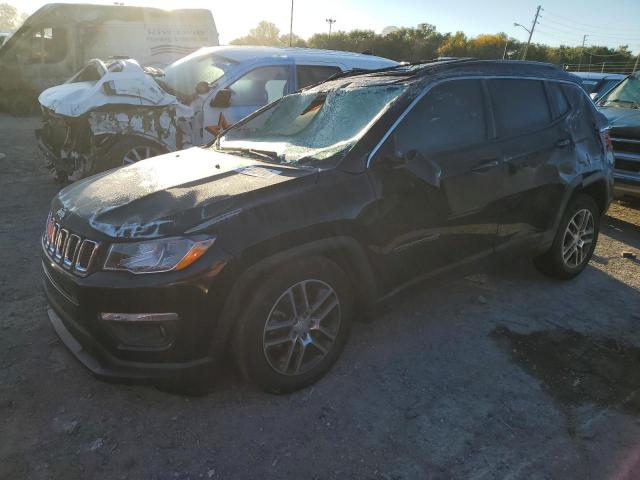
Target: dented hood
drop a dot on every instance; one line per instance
(122, 82)
(169, 194)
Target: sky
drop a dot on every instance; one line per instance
(561, 22)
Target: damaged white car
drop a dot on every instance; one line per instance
(116, 113)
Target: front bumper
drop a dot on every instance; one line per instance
(106, 366)
(51, 160)
(184, 351)
(626, 183)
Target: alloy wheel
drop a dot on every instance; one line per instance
(302, 327)
(578, 238)
(138, 153)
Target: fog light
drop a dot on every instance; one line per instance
(139, 317)
(141, 331)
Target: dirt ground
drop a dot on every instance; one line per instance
(500, 375)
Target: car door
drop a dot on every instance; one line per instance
(535, 145)
(251, 91)
(437, 179)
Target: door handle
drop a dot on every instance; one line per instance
(485, 166)
(565, 142)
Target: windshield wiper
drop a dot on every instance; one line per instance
(269, 156)
(266, 155)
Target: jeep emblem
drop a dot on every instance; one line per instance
(61, 213)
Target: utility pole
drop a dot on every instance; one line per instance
(584, 40)
(635, 67)
(506, 44)
(330, 21)
(291, 25)
(533, 26)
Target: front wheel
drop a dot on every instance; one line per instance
(295, 325)
(126, 151)
(575, 240)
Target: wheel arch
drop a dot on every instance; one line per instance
(345, 251)
(594, 184)
(597, 187)
(107, 141)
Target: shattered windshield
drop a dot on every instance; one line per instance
(183, 75)
(625, 95)
(313, 125)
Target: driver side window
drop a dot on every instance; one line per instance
(450, 116)
(260, 86)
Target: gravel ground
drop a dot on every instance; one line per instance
(505, 374)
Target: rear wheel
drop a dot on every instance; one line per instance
(295, 325)
(575, 240)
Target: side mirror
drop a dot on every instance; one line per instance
(222, 99)
(417, 164)
(423, 167)
(202, 88)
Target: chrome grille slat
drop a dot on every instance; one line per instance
(67, 249)
(71, 250)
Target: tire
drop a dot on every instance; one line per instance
(281, 352)
(558, 261)
(122, 150)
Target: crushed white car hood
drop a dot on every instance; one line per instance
(129, 85)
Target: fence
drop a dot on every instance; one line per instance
(602, 67)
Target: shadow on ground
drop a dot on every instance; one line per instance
(575, 368)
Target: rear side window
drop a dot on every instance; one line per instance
(260, 86)
(559, 102)
(451, 115)
(311, 74)
(519, 105)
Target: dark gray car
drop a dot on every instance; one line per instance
(621, 106)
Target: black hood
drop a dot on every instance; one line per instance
(624, 122)
(167, 195)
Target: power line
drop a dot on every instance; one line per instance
(603, 35)
(574, 26)
(596, 27)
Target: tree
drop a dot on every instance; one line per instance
(424, 42)
(296, 41)
(266, 33)
(9, 18)
(454, 45)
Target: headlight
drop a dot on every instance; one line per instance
(160, 255)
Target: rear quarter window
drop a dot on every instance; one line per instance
(583, 118)
(519, 105)
(558, 100)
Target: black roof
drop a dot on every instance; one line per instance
(430, 71)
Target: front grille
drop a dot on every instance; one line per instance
(67, 249)
(628, 165)
(626, 145)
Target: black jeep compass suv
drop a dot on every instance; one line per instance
(269, 243)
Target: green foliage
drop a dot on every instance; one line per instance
(424, 42)
(266, 33)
